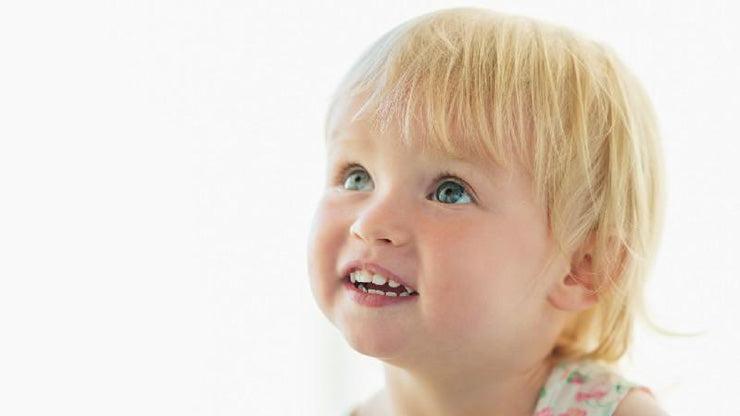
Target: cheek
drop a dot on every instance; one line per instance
(324, 243)
(477, 278)
(468, 256)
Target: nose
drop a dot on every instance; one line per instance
(382, 220)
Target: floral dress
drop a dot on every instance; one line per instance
(583, 388)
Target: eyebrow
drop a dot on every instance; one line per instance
(342, 135)
(491, 171)
(473, 171)
(464, 168)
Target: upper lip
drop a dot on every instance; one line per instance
(374, 268)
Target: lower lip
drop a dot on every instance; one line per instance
(372, 300)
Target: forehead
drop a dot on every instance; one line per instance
(348, 126)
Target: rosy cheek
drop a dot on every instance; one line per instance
(318, 239)
(325, 241)
(329, 222)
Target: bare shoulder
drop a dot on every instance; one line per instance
(639, 403)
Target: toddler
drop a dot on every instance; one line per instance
(492, 207)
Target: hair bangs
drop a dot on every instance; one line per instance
(447, 88)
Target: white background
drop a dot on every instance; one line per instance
(159, 166)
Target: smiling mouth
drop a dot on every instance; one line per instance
(381, 289)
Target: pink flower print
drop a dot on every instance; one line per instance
(545, 411)
(576, 378)
(585, 395)
(574, 412)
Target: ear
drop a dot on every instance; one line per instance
(575, 290)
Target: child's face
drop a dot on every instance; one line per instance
(472, 250)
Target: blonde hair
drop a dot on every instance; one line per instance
(470, 80)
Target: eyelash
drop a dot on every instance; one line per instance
(341, 176)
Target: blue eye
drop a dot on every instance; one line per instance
(450, 192)
(356, 178)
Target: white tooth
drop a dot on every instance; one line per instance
(393, 283)
(378, 280)
(363, 276)
(352, 277)
(408, 289)
(404, 294)
(377, 292)
(363, 288)
(391, 294)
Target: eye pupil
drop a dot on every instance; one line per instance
(354, 180)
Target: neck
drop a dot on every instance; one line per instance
(475, 392)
